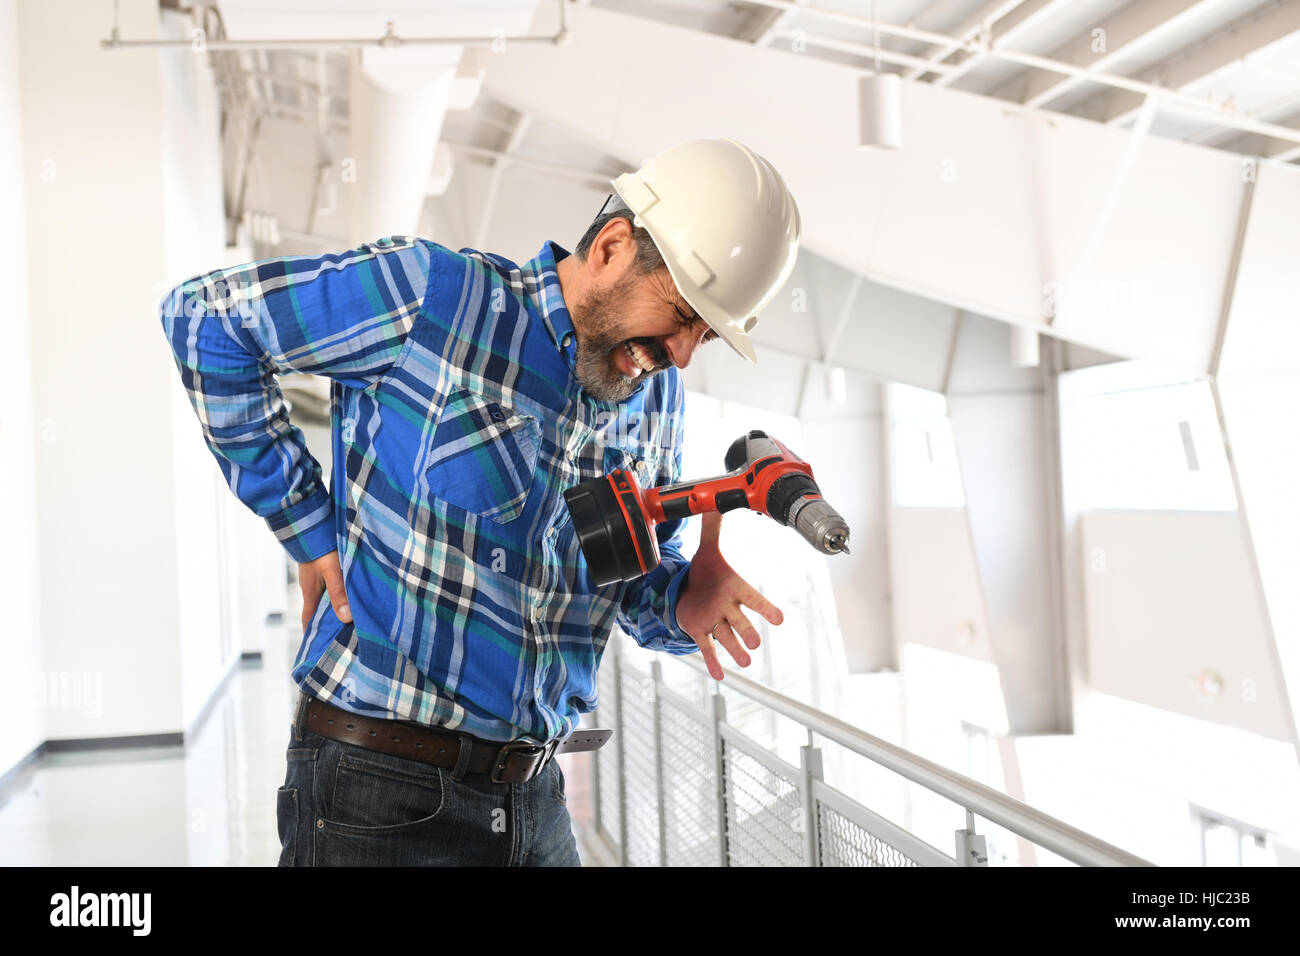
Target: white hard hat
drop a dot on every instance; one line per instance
(726, 226)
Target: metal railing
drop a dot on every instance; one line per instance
(678, 785)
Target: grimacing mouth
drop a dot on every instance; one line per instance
(652, 352)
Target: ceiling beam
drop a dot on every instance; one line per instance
(971, 28)
(1256, 144)
(1007, 30)
(1249, 36)
(1101, 47)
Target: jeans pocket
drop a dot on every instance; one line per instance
(286, 820)
(379, 793)
(383, 811)
(483, 457)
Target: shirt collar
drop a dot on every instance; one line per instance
(550, 300)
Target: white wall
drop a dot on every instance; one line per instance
(846, 458)
(96, 246)
(21, 710)
(194, 224)
(1169, 596)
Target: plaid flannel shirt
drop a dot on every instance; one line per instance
(456, 423)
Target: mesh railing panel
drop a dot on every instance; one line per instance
(764, 818)
(688, 683)
(607, 768)
(690, 790)
(841, 842)
(636, 695)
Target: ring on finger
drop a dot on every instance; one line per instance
(713, 629)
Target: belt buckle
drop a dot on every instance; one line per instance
(526, 749)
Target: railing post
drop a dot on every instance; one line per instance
(972, 849)
(656, 710)
(718, 710)
(621, 737)
(597, 820)
(810, 767)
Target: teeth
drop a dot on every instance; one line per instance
(640, 357)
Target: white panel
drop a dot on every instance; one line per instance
(1000, 447)
(936, 593)
(982, 361)
(1260, 415)
(984, 207)
(1264, 322)
(1169, 596)
(846, 458)
(899, 336)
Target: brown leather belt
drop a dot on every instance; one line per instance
(515, 762)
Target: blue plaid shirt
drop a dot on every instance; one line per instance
(457, 422)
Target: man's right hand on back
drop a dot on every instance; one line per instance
(317, 577)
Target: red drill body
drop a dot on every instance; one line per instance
(615, 517)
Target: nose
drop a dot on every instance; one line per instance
(683, 344)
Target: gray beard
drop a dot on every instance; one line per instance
(600, 315)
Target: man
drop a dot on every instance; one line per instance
(458, 645)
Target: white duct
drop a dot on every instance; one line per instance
(398, 95)
(397, 101)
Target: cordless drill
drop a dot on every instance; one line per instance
(615, 517)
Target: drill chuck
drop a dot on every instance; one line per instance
(820, 525)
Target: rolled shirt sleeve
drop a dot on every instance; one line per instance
(232, 331)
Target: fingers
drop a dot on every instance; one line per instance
(755, 601)
(710, 655)
(334, 584)
(312, 586)
(738, 623)
(725, 633)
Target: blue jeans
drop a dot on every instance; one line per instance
(343, 805)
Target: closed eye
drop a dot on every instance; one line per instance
(691, 319)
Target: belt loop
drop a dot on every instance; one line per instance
(463, 754)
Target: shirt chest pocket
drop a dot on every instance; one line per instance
(483, 456)
(642, 460)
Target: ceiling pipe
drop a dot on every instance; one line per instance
(859, 49)
(390, 40)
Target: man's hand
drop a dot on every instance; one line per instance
(315, 577)
(713, 595)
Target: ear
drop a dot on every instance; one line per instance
(612, 252)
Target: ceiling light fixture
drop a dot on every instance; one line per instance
(880, 103)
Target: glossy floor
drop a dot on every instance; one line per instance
(210, 803)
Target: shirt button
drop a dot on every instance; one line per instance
(568, 337)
